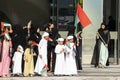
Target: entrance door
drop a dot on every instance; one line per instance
(110, 12)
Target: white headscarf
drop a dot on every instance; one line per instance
(70, 37)
(45, 34)
(21, 48)
(60, 39)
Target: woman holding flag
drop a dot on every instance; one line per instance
(100, 55)
(5, 53)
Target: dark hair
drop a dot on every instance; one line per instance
(102, 24)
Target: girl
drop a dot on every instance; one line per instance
(28, 58)
(59, 50)
(17, 60)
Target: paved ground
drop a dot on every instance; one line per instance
(88, 73)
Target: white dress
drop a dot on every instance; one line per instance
(17, 58)
(59, 60)
(42, 48)
(70, 67)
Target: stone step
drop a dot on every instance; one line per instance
(111, 72)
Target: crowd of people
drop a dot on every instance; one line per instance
(25, 52)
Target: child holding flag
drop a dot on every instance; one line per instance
(70, 67)
(41, 64)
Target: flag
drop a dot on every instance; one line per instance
(35, 43)
(29, 27)
(3, 24)
(7, 36)
(81, 17)
(29, 24)
(45, 68)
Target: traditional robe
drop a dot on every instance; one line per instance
(41, 62)
(29, 65)
(17, 58)
(59, 60)
(5, 60)
(100, 54)
(70, 67)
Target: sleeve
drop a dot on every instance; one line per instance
(39, 46)
(67, 50)
(57, 49)
(25, 54)
(10, 48)
(74, 50)
(108, 40)
(13, 59)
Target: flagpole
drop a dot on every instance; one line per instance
(101, 38)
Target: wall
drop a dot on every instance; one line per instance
(94, 10)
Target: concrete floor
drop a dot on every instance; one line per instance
(111, 72)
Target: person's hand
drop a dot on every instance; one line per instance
(106, 45)
(78, 43)
(50, 39)
(13, 62)
(62, 50)
(40, 56)
(97, 31)
(34, 54)
(26, 60)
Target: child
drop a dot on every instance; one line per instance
(59, 50)
(42, 57)
(17, 60)
(28, 58)
(70, 63)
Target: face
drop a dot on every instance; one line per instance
(60, 42)
(103, 26)
(18, 49)
(46, 37)
(71, 40)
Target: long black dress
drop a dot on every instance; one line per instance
(104, 33)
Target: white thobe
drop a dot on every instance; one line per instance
(42, 48)
(59, 60)
(70, 67)
(17, 58)
(103, 55)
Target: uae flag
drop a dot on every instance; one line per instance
(3, 24)
(81, 18)
(45, 68)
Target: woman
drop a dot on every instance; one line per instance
(100, 56)
(53, 34)
(6, 53)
